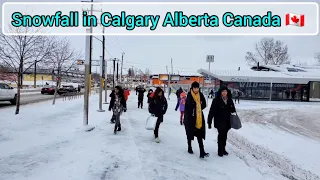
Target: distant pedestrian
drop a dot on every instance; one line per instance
(178, 92)
(293, 94)
(194, 120)
(140, 92)
(238, 94)
(221, 108)
(211, 93)
(183, 97)
(117, 105)
(158, 107)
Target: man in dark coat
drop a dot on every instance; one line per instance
(178, 93)
(192, 118)
(140, 92)
(221, 108)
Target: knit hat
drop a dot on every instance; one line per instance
(195, 85)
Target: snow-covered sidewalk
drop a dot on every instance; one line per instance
(48, 142)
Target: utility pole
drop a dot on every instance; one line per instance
(105, 84)
(86, 80)
(117, 72)
(121, 67)
(168, 77)
(35, 74)
(88, 61)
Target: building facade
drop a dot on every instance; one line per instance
(270, 83)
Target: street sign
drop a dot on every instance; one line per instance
(80, 62)
(210, 58)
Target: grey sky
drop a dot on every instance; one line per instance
(189, 52)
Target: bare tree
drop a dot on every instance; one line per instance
(317, 58)
(20, 52)
(269, 51)
(63, 59)
(147, 72)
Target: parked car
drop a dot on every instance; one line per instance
(8, 93)
(67, 89)
(48, 90)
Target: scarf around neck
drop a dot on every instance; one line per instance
(196, 98)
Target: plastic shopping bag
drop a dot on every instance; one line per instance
(235, 121)
(151, 122)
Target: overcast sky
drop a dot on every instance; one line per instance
(189, 52)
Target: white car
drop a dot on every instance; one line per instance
(8, 93)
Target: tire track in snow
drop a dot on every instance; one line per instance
(264, 156)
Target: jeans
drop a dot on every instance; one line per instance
(178, 103)
(117, 124)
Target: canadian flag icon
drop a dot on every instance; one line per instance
(295, 19)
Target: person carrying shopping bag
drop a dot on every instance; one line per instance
(117, 105)
(221, 108)
(194, 121)
(158, 107)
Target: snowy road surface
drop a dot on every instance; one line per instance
(29, 98)
(48, 142)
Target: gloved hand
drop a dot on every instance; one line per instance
(153, 115)
(209, 126)
(124, 109)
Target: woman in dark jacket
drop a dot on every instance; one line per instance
(117, 105)
(221, 108)
(193, 118)
(158, 107)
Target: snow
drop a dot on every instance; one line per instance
(49, 142)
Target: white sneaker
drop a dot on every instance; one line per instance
(157, 140)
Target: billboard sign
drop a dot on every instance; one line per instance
(163, 77)
(210, 58)
(175, 78)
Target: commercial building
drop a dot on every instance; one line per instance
(286, 82)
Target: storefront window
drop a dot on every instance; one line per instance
(254, 90)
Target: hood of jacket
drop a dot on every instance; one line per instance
(222, 88)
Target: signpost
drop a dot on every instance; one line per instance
(210, 59)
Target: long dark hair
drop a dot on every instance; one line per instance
(121, 91)
(157, 91)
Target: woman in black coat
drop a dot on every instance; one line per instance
(221, 108)
(148, 95)
(117, 105)
(194, 119)
(158, 107)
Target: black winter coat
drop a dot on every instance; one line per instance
(158, 106)
(221, 112)
(178, 92)
(140, 92)
(190, 116)
(148, 96)
(122, 100)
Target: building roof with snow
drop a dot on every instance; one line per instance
(292, 74)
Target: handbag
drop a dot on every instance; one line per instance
(151, 123)
(235, 121)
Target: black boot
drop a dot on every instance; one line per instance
(224, 152)
(203, 154)
(190, 151)
(220, 151)
(181, 122)
(119, 128)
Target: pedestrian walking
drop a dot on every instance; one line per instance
(238, 94)
(140, 92)
(158, 107)
(183, 97)
(117, 105)
(178, 93)
(221, 108)
(193, 118)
